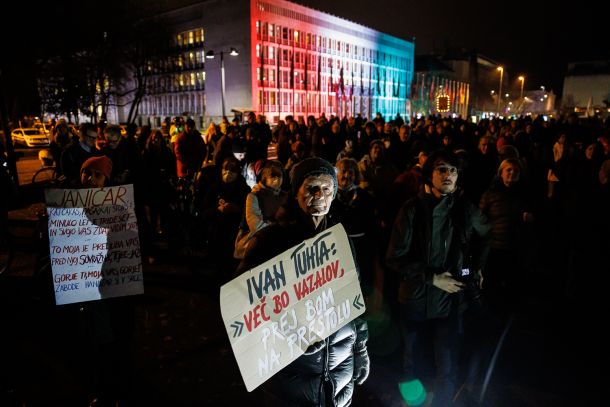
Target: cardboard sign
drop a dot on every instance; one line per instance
(94, 244)
(273, 312)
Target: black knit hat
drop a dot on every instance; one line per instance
(311, 167)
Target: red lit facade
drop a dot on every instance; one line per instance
(306, 62)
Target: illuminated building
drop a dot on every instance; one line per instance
(305, 62)
(437, 89)
(293, 60)
(585, 89)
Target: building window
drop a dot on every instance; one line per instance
(271, 53)
(191, 37)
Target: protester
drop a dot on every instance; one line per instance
(327, 372)
(262, 205)
(431, 249)
(507, 206)
(355, 209)
(78, 152)
(96, 172)
(108, 324)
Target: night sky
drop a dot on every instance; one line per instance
(533, 38)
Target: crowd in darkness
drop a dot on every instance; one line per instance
(200, 189)
(542, 184)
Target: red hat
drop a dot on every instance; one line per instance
(103, 164)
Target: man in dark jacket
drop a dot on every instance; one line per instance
(326, 373)
(432, 252)
(78, 152)
(190, 151)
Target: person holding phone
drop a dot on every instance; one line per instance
(431, 243)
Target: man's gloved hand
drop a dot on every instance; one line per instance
(362, 365)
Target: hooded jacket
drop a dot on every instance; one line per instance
(431, 236)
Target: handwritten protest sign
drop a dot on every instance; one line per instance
(273, 312)
(94, 244)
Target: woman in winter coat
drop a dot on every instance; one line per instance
(326, 373)
(507, 207)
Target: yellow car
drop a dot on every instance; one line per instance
(30, 137)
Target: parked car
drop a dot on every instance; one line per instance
(30, 137)
(43, 128)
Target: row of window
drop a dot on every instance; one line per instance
(178, 62)
(265, 7)
(191, 37)
(173, 105)
(288, 102)
(299, 39)
(391, 86)
(302, 60)
(176, 83)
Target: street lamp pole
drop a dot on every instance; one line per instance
(210, 55)
(501, 69)
(222, 81)
(522, 79)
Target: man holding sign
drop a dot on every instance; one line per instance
(308, 300)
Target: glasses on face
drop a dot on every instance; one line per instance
(446, 169)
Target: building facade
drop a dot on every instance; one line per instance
(586, 88)
(291, 60)
(472, 82)
(306, 62)
(438, 89)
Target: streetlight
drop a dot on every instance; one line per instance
(210, 55)
(522, 79)
(501, 69)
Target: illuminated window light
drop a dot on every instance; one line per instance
(442, 103)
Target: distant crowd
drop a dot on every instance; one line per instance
(201, 178)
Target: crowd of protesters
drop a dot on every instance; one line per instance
(538, 183)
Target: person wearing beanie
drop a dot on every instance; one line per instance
(95, 172)
(329, 369)
(313, 166)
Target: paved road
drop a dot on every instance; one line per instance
(28, 164)
(552, 356)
